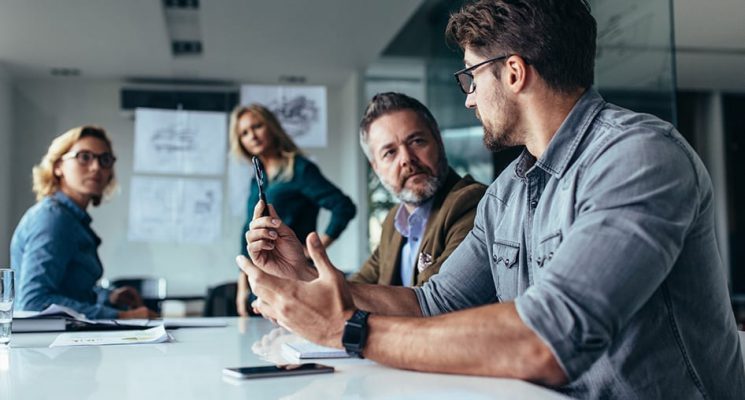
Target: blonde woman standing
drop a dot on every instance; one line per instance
(54, 250)
(295, 186)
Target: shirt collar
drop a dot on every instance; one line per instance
(75, 209)
(566, 140)
(405, 223)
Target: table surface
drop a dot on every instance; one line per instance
(191, 368)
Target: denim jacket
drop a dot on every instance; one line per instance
(54, 254)
(606, 244)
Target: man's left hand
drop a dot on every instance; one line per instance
(315, 310)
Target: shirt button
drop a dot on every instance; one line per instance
(534, 204)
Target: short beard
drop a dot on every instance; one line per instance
(502, 136)
(432, 184)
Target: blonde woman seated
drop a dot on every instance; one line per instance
(54, 251)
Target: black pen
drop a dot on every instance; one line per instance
(259, 169)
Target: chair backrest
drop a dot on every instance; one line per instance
(149, 287)
(220, 301)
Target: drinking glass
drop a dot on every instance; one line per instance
(7, 290)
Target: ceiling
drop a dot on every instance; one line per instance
(322, 41)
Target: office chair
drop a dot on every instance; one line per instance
(221, 301)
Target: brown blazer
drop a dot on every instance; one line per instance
(450, 220)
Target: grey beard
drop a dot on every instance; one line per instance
(408, 196)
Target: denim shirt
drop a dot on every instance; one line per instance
(54, 254)
(606, 245)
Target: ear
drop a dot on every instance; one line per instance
(515, 73)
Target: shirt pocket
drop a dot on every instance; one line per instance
(505, 256)
(545, 251)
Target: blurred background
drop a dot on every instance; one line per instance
(65, 63)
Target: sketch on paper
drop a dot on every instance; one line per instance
(175, 210)
(180, 142)
(173, 138)
(300, 109)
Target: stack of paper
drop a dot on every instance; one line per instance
(306, 350)
(52, 319)
(152, 335)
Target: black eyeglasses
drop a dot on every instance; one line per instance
(85, 157)
(464, 77)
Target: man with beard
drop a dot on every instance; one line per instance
(592, 266)
(402, 141)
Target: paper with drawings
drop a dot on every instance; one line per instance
(300, 109)
(175, 210)
(152, 335)
(180, 142)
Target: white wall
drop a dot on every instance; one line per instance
(46, 108)
(6, 144)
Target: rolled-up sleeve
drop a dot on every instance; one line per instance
(635, 203)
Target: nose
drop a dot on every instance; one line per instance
(95, 164)
(406, 157)
(471, 100)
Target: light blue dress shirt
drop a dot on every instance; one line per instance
(411, 226)
(606, 244)
(54, 252)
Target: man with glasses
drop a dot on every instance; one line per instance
(593, 264)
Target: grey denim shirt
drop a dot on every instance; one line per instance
(607, 246)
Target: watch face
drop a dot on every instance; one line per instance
(352, 336)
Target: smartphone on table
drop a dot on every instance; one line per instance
(270, 371)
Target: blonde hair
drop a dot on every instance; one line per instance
(280, 140)
(45, 183)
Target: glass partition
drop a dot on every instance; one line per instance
(635, 68)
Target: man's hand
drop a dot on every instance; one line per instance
(315, 310)
(125, 297)
(138, 313)
(274, 247)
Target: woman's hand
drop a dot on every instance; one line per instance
(125, 297)
(138, 313)
(274, 247)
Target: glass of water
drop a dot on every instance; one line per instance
(6, 304)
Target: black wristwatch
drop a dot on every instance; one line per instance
(355, 333)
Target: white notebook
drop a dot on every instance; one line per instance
(305, 350)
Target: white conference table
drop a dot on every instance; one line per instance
(191, 368)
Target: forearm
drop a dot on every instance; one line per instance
(385, 300)
(243, 283)
(490, 340)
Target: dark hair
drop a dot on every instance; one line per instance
(557, 37)
(389, 102)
